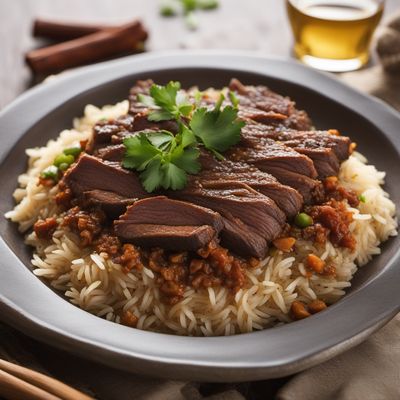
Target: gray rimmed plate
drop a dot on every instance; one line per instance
(31, 306)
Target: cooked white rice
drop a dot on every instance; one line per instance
(99, 285)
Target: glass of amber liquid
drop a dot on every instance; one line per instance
(334, 35)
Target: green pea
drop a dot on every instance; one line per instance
(63, 167)
(303, 220)
(73, 151)
(50, 172)
(362, 198)
(64, 159)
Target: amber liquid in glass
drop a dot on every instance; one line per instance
(334, 34)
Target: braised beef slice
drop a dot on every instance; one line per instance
(255, 210)
(186, 237)
(257, 115)
(141, 123)
(262, 98)
(113, 152)
(141, 87)
(286, 198)
(325, 149)
(241, 239)
(167, 211)
(111, 203)
(269, 152)
(303, 184)
(91, 173)
(340, 145)
(325, 161)
(104, 131)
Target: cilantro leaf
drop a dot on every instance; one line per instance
(172, 103)
(186, 137)
(152, 177)
(163, 158)
(146, 100)
(139, 152)
(234, 100)
(160, 139)
(217, 129)
(160, 115)
(173, 177)
(186, 159)
(185, 109)
(165, 96)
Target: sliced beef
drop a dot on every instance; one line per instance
(113, 152)
(104, 131)
(298, 120)
(325, 161)
(306, 186)
(141, 123)
(264, 99)
(141, 87)
(255, 210)
(324, 149)
(91, 173)
(241, 239)
(167, 211)
(111, 203)
(286, 198)
(264, 117)
(269, 153)
(186, 237)
(340, 145)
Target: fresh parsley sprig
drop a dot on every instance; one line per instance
(167, 101)
(164, 159)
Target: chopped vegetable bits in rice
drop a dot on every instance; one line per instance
(286, 284)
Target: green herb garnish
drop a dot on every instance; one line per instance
(168, 102)
(165, 159)
(217, 129)
(362, 198)
(169, 8)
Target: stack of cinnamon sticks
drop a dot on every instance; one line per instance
(81, 44)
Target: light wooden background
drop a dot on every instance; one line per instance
(258, 25)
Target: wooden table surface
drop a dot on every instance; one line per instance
(258, 25)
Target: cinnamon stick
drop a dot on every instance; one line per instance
(87, 49)
(61, 31)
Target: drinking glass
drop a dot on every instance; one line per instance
(334, 35)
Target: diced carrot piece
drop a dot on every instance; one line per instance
(331, 183)
(353, 146)
(298, 310)
(316, 306)
(128, 318)
(315, 263)
(334, 132)
(285, 244)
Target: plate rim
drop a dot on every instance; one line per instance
(216, 370)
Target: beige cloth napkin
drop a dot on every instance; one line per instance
(371, 371)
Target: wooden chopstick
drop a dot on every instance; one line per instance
(21, 383)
